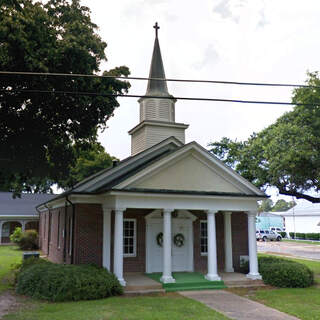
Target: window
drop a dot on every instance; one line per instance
(129, 237)
(203, 238)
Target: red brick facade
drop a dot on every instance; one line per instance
(56, 226)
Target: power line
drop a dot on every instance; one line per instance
(96, 94)
(160, 79)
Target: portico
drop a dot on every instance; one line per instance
(161, 219)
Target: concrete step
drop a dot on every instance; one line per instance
(244, 283)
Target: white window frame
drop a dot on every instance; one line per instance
(134, 254)
(202, 222)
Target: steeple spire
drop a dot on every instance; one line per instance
(157, 109)
(156, 87)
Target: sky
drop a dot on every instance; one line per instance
(233, 40)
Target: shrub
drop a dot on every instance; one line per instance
(283, 234)
(313, 236)
(29, 240)
(300, 235)
(16, 235)
(291, 234)
(56, 282)
(26, 263)
(285, 273)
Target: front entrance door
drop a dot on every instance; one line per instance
(181, 252)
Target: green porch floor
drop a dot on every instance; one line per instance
(187, 281)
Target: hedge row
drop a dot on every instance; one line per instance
(58, 282)
(283, 273)
(306, 236)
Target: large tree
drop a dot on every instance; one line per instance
(39, 130)
(88, 162)
(286, 154)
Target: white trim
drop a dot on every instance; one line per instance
(134, 254)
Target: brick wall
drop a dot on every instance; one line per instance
(56, 243)
(53, 238)
(88, 234)
(239, 225)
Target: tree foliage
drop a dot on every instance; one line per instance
(287, 153)
(88, 162)
(39, 132)
(281, 205)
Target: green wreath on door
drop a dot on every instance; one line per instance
(178, 240)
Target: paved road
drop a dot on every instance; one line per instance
(236, 307)
(302, 250)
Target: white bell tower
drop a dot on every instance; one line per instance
(157, 109)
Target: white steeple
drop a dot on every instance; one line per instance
(157, 109)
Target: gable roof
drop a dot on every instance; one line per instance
(118, 178)
(237, 184)
(23, 206)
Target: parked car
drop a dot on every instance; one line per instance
(277, 229)
(265, 235)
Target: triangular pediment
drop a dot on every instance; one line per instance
(190, 169)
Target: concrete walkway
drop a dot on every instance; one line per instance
(236, 307)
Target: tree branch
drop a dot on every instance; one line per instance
(299, 195)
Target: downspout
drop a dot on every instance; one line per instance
(64, 233)
(40, 229)
(73, 228)
(49, 229)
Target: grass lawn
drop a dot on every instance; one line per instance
(168, 306)
(8, 256)
(303, 241)
(303, 303)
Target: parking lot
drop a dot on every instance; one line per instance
(301, 250)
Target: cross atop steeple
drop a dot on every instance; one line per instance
(156, 27)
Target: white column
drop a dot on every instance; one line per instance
(1, 223)
(167, 267)
(252, 244)
(212, 247)
(106, 237)
(23, 225)
(118, 246)
(228, 262)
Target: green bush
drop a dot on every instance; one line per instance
(15, 237)
(55, 282)
(26, 263)
(285, 273)
(300, 235)
(283, 234)
(312, 236)
(29, 240)
(291, 234)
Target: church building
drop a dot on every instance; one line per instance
(170, 207)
